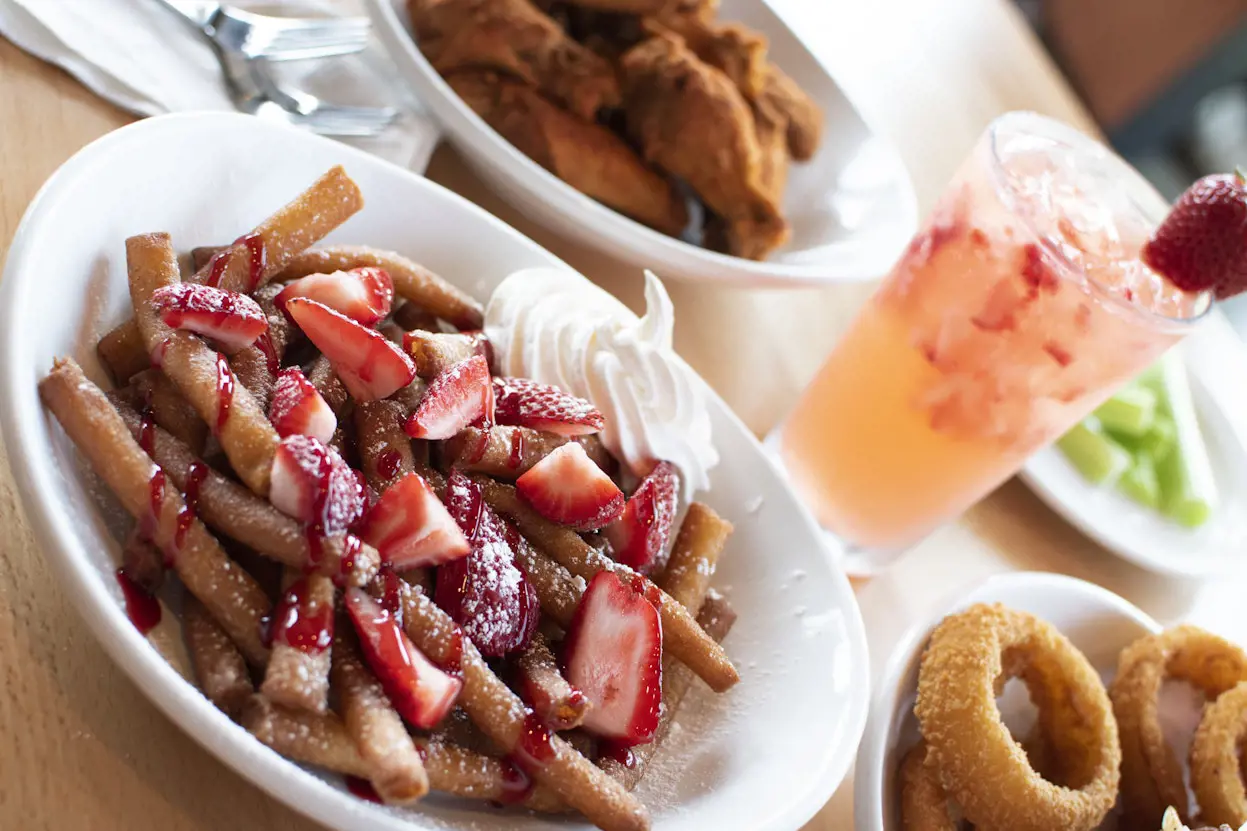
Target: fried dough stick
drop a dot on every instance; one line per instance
(325, 205)
(142, 562)
(257, 365)
(681, 634)
(170, 410)
(690, 120)
(231, 595)
(499, 453)
(412, 281)
(393, 762)
(555, 701)
(434, 352)
(220, 670)
(297, 675)
(238, 513)
(322, 740)
(587, 156)
(514, 37)
(202, 375)
(502, 716)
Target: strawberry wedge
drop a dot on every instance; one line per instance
(568, 488)
(639, 537)
(369, 365)
(422, 693)
(365, 295)
(411, 527)
(526, 403)
(313, 484)
(459, 396)
(613, 654)
(298, 408)
(230, 319)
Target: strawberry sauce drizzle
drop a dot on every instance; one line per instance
(142, 608)
(516, 784)
(224, 392)
(363, 789)
(391, 594)
(452, 664)
(535, 747)
(216, 268)
(155, 497)
(482, 445)
(388, 462)
(294, 626)
(618, 752)
(351, 547)
(517, 450)
(195, 476)
(265, 344)
(259, 259)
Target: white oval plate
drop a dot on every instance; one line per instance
(852, 207)
(1097, 621)
(791, 726)
(1217, 362)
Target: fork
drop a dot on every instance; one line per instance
(273, 38)
(256, 91)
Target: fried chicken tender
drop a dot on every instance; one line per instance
(587, 156)
(692, 121)
(782, 96)
(514, 36)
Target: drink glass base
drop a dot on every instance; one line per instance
(857, 561)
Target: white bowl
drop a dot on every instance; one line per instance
(852, 207)
(1097, 621)
(791, 726)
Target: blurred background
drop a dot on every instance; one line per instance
(1165, 79)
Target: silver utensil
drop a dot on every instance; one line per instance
(256, 91)
(273, 38)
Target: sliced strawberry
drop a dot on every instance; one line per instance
(232, 320)
(613, 654)
(436, 351)
(568, 488)
(298, 408)
(421, 692)
(457, 397)
(313, 484)
(363, 294)
(369, 365)
(484, 592)
(410, 526)
(1202, 244)
(639, 537)
(526, 403)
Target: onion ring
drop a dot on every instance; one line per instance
(1216, 776)
(982, 768)
(1151, 775)
(924, 804)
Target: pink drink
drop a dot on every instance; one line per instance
(1019, 308)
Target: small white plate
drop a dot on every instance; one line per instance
(1097, 621)
(1217, 363)
(852, 207)
(791, 726)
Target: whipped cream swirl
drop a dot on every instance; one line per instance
(556, 327)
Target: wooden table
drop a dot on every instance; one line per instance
(80, 747)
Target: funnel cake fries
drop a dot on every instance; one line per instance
(586, 155)
(251, 261)
(170, 410)
(686, 640)
(412, 281)
(513, 37)
(301, 631)
(202, 375)
(506, 452)
(238, 513)
(234, 599)
(556, 702)
(220, 670)
(257, 365)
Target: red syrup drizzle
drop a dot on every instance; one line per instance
(259, 259)
(195, 475)
(216, 268)
(516, 784)
(156, 499)
(391, 593)
(224, 392)
(618, 752)
(517, 449)
(351, 547)
(388, 462)
(141, 607)
(293, 624)
(363, 789)
(265, 344)
(535, 747)
(453, 662)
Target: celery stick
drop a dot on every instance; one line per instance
(1097, 457)
(1130, 411)
(1188, 489)
(1139, 482)
(1156, 442)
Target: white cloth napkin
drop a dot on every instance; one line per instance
(147, 59)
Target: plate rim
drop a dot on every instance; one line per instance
(25, 425)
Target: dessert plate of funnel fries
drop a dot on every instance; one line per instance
(285, 428)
